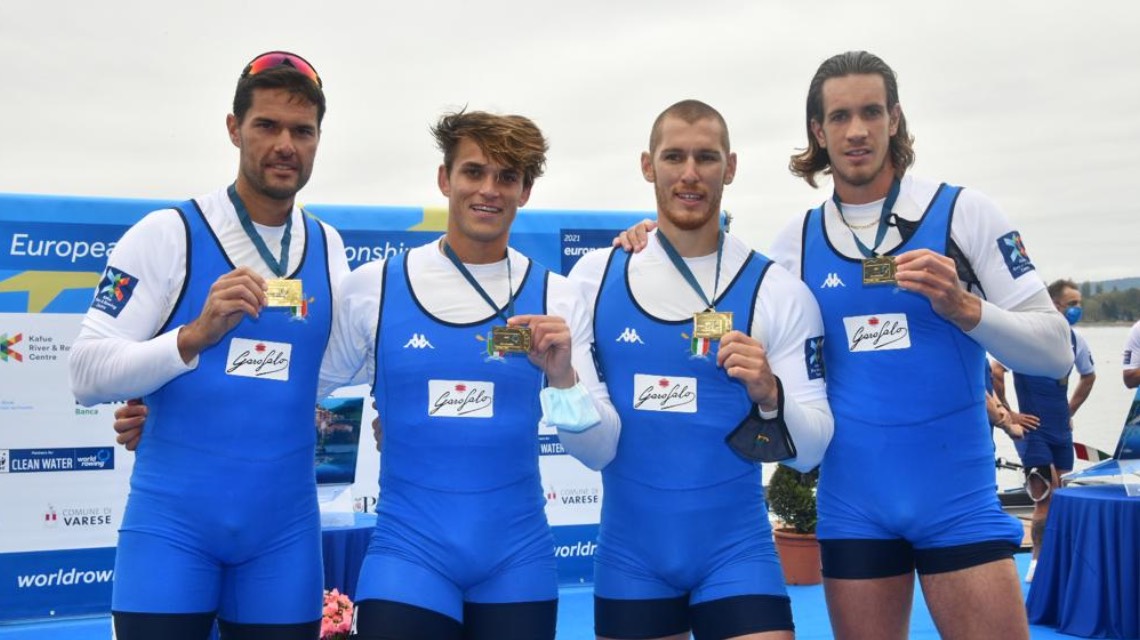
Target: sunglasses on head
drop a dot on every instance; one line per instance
(273, 59)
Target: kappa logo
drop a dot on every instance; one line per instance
(418, 341)
(630, 336)
(832, 281)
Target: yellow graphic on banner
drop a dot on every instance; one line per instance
(435, 219)
(44, 286)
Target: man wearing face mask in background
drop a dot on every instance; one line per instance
(1047, 452)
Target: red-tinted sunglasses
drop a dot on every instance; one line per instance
(273, 59)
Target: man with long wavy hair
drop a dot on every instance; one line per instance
(916, 280)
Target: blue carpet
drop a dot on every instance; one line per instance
(575, 618)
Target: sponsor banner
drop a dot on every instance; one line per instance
(53, 511)
(59, 460)
(365, 246)
(574, 548)
(578, 242)
(573, 493)
(49, 584)
(550, 445)
(57, 246)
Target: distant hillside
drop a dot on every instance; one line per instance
(1116, 285)
(1112, 300)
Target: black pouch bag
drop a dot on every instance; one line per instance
(761, 440)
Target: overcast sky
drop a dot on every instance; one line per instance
(1034, 103)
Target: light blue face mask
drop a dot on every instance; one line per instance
(1073, 315)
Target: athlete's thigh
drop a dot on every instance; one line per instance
(629, 619)
(300, 631)
(154, 574)
(751, 569)
(388, 577)
(168, 626)
(1062, 454)
(983, 601)
(850, 603)
(748, 616)
(387, 620)
(282, 585)
(535, 580)
(534, 620)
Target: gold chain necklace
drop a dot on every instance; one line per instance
(855, 227)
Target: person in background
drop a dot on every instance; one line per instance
(997, 411)
(1047, 452)
(915, 280)
(1132, 357)
(217, 312)
(467, 344)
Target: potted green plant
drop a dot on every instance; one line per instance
(791, 497)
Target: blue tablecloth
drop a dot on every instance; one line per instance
(1087, 581)
(344, 549)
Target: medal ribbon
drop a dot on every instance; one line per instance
(687, 273)
(884, 215)
(509, 307)
(278, 266)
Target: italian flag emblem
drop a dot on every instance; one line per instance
(701, 346)
(1091, 454)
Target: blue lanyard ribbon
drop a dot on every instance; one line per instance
(687, 273)
(509, 307)
(279, 266)
(884, 217)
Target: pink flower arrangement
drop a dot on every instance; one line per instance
(336, 617)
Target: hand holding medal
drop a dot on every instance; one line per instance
(935, 276)
(743, 358)
(233, 296)
(549, 346)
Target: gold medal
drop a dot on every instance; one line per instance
(879, 270)
(510, 339)
(280, 292)
(712, 324)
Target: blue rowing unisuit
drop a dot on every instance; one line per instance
(461, 512)
(912, 454)
(223, 493)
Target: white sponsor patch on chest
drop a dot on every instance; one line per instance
(664, 393)
(461, 399)
(881, 332)
(259, 359)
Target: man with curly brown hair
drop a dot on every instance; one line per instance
(467, 344)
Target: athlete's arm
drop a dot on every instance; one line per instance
(1081, 393)
(1087, 370)
(1132, 358)
(1132, 378)
(787, 246)
(596, 444)
(117, 355)
(1017, 321)
(788, 324)
(350, 356)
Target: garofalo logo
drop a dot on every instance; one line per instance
(664, 393)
